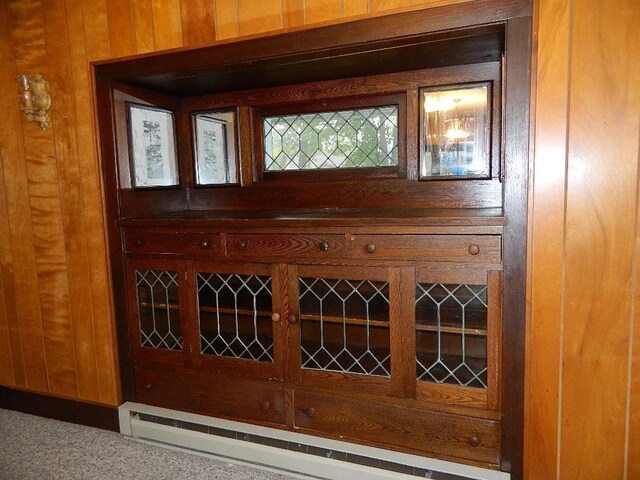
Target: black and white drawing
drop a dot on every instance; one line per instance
(215, 152)
(152, 147)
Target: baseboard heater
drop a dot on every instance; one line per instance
(291, 453)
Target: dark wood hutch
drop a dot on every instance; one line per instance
(380, 302)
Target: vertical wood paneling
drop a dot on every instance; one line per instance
(292, 13)
(143, 25)
(258, 17)
(167, 24)
(322, 10)
(120, 21)
(355, 7)
(96, 31)
(547, 241)
(633, 432)
(380, 5)
(601, 205)
(92, 214)
(198, 22)
(44, 195)
(226, 19)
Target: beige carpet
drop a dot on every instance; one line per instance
(34, 448)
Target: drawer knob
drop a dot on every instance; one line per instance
(205, 244)
(324, 246)
(371, 247)
(474, 442)
(275, 317)
(265, 405)
(147, 386)
(310, 412)
(242, 245)
(474, 249)
(138, 242)
(291, 319)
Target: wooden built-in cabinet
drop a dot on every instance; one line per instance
(338, 246)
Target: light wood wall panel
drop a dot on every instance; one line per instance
(583, 243)
(583, 370)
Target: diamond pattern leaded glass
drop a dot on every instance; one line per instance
(345, 326)
(451, 342)
(234, 313)
(159, 309)
(366, 137)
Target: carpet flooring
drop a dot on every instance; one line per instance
(34, 448)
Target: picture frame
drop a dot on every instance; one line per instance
(215, 148)
(152, 147)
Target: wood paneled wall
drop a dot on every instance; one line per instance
(583, 360)
(583, 368)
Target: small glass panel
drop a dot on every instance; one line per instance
(215, 148)
(362, 138)
(152, 147)
(451, 334)
(234, 313)
(345, 326)
(455, 133)
(159, 309)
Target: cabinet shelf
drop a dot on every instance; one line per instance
(348, 321)
(467, 331)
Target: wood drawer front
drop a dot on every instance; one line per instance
(215, 395)
(144, 241)
(441, 434)
(277, 246)
(443, 248)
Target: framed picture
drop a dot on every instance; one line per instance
(152, 147)
(215, 148)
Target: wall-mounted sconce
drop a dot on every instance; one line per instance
(35, 100)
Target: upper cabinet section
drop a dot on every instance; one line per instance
(398, 112)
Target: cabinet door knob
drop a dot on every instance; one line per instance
(205, 244)
(138, 242)
(310, 412)
(291, 319)
(371, 247)
(147, 386)
(265, 405)
(474, 249)
(275, 317)
(324, 246)
(242, 245)
(474, 442)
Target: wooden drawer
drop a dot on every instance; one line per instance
(158, 241)
(440, 434)
(444, 248)
(284, 247)
(215, 395)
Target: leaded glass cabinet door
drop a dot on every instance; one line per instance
(457, 319)
(345, 328)
(237, 310)
(158, 309)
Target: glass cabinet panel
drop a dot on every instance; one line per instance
(234, 316)
(345, 325)
(158, 309)
(451, 334)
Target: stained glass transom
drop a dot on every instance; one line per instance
(451, 334)
(345, 326)
(366, 137)
(159, 309)
(234, 313)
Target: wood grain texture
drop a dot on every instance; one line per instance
(198, 22)
(381, 5)
(143, 25)
(316, 11)
(167, 23)
(292, 13)
(226, 19)
(600, 238)
(352, 8)
(258, 17)
(120, 22)
(547, 220)
(633, 431)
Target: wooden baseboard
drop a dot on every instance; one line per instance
(72, 411)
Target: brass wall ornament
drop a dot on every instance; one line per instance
(35, 100)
